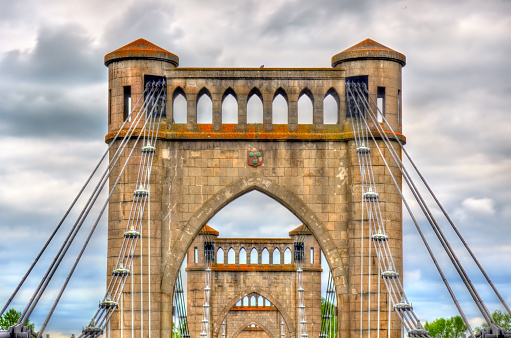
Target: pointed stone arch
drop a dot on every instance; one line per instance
(327, 115)
(248, 291)
(229, 193)
(306, 91)
(248, 323)
(281, 91)
(227, 92)
(178, 115)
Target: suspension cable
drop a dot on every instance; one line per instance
(118, 281)
(446, 215)
(382, 133)
(92, 230)
(374, 214)
(64, 247)
(445, 244)
(45, 246)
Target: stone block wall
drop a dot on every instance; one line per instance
(310, 169)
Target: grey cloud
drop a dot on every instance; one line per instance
(456, 98)
(63, 55)
(53, 113)
(153, 21)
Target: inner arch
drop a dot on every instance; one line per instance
(287, 199)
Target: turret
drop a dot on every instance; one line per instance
(306, 247)
(203, 248)
(129, 68)
(380, 68)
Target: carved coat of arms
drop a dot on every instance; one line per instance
(254, 157)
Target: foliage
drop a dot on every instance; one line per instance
(177, 329)
(501, 319)
(10, 318)
(446, 328)
(326, 307)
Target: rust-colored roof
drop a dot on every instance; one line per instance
(368, 49)
(141, 49)
(207, 230)
(301, 230)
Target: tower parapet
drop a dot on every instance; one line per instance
(311, 168)
(128, 70)
(380, 67)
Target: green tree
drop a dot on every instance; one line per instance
(446, 328)
(501, 319)
(10, 318)
(326, 308)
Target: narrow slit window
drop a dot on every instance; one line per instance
(195, 255)
(312, 255)
(127, 103)
(110, 106)
(399, 117)
(380, 102)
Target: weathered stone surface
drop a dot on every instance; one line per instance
(199, 168)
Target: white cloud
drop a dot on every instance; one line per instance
(456, 86)
(482, 206)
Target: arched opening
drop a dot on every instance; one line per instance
(265, 256)
(255, 106)
(229, 107)
(254, 256)
(204, 107)
(247, 208)
(305, 107)
(179, 108)
(276, 256)
(220, 256)
(331, 107)
(242, 256)
(252, 330)
(280, 109)
(253, 298)
(287, 256)
(231, 256)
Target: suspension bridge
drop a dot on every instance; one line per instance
(167, 172)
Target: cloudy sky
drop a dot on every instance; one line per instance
(456, 99)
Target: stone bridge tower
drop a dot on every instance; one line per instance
(311, 169)
(251, 269)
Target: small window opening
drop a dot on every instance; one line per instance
(127, 103)
(355, 107)
(265, 257)
(209, 251)
(110, 106)
(399, 116)
(380, 103)
(276, 256)
(298, 251)
(231, 256)
(242, 256)
(195, 255)
(220, 256)
(287, 256)
(254, 256)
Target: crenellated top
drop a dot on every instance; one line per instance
(254, 103)
(251, 254)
